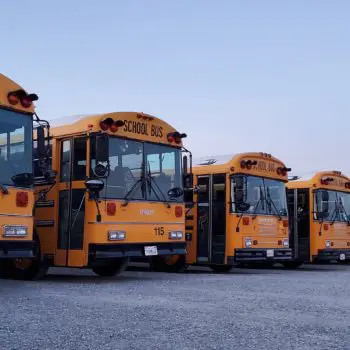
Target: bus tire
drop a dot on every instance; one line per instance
(171, 264)
(221, 268)
(113, 268)
(292, 264)
(27, 269)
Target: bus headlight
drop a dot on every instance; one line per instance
(248, 242)
(116, 235)
(15, 231)
(328, 244)
(286, 243)
(176, 235)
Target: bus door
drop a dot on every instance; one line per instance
(218, 232)
(72, 192)
(211, 225)
(299, 219)
(204, 218)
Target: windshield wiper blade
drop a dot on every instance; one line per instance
(141, 180)
(261, 199)
(268, 198)
(4, 189)
(151, 179)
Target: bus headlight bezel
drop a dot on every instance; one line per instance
(285, 243)
(116, 235)
(248, 242)
(15, 231)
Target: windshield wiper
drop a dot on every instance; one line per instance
(344, 212)
(4, 189)
(261, 199)
(140, 181)
(335, 211)
(271, 202)
(151, 179)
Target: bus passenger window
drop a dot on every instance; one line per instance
(65, 160)
(79, 159)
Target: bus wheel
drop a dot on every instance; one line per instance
(221, 268)
(171, 264)
(111, 269)
(292, 264)
(27, 269)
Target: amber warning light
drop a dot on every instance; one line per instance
(110, 124)
(175, 137)
(20, 96)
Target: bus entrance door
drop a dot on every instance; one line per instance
(299, 211)
(211, 226)
(72, 194)
(204, 218)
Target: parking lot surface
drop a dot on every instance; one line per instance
(308, 308)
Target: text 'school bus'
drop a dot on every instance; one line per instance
(319, 210)
(118, 192)
(239, 215)
(17, 115)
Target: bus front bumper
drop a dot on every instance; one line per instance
(329, 254)
(17, 249)
(262, 255)
(113, 251)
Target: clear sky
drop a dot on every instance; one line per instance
(236, 76)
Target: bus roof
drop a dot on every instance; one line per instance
(331, 179)
(263, 164)
(132, 125)
(7, 85)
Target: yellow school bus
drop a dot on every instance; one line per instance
(319, 211)
(17, 116)
(240, 213)
(118, 193)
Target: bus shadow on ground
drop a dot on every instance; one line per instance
(89, 277)
(251, 270)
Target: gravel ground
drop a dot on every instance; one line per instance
(245, 309)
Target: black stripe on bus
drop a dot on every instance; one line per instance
(45, 204)
(189, 228)
(45, 223)
(189, 217)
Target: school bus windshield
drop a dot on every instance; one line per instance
(338, 205)
(262, 196)
(142, 171)
(15, 146)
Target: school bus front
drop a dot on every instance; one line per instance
(320, 217)
(118, 193)
(16, 191)
(239, 214)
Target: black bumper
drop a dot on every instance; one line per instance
(113, 251)
(260, 255)
(17, 249)
(329, 254)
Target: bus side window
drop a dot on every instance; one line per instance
(79, 159)
(65, 160)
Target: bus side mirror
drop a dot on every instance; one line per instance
(187, 181)
(102, 149)
(41, 142)
(185, 165)
(175, 192)
(95, 186)
(241, 189)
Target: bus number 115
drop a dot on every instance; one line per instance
(159, 231)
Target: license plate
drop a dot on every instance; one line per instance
(270, 253)
(342, 257)
(151, 250)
